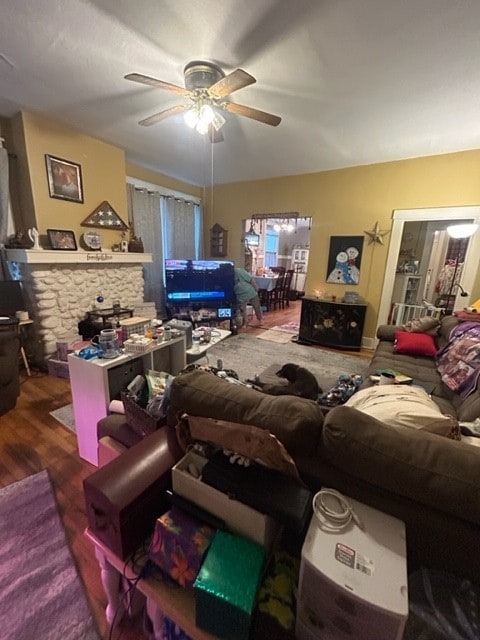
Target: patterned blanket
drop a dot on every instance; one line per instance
(459, 361)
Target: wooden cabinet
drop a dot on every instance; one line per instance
(218, 241)
(333, 324)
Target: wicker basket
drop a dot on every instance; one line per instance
(137, 347)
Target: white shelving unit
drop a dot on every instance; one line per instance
(299, 266)
(96, 382)
(406, 289)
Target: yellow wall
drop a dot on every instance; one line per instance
(147, 175)
(348, 202)
(103, 167)
(342, 202)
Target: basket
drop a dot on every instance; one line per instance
(136, 324)
(137, 347)
(142, 422)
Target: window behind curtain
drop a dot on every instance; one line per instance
(169, 228)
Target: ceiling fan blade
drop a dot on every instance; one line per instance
(230, 83)
(255, 114)
(214, 135)
(162, 115)
(158, 84)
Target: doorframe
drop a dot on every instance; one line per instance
(400, 216)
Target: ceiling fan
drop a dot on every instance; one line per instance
(206, 87)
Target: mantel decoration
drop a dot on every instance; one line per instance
(104, 217)
(376, 235)
(344, 259)
(62, 239)
(92, 240)
(64, 179)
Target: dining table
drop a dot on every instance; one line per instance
(267, 283)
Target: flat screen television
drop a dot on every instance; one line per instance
(197, 283)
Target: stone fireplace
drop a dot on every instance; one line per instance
(60, 287)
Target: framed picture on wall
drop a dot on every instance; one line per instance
(62, 239)
(64, 179)
(344, 259)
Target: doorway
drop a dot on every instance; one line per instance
(431, 251)
(272, 241)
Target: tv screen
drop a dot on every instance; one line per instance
(200, 282)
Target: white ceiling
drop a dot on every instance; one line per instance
(355, 81)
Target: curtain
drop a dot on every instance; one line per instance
(182, 228)
(169, 228)
(144, 216)
(4, 200)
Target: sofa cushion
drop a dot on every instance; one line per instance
(438, 472)
(415, 344)
(296, 422)
(418, 325)
(402, 406)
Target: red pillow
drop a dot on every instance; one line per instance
(414, 344)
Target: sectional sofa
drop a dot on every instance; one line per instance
(430, 481)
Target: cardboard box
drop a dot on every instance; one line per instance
(238, 517)
(57, 368)
(68, 345)
(179, 545)
(226, 586)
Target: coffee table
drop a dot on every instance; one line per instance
(200, 351)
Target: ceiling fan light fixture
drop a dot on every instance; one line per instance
(191, 118)
(206, 114)
(202, 127)
(218, 121)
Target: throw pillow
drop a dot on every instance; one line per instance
(418, 325)
(414, 344)
(402, 406)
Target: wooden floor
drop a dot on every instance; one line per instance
(32, 440)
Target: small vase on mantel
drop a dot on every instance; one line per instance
(135, 245)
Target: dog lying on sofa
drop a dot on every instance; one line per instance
(300, 382)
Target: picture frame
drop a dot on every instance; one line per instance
(64, 179)
(344, 260)
(62, 239)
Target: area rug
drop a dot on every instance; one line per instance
(290, 327)
(65, 416)
(276, 334)
(42, 595)
(246, 355)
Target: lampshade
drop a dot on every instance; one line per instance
(458, 231)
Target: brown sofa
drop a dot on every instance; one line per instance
(9, 373)
(430, 482)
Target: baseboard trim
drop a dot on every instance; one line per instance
(368, 343)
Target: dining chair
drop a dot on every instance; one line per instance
(274, 297)
(285, 295)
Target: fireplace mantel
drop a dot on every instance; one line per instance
(44, 256)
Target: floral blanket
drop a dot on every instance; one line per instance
(459, 361)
